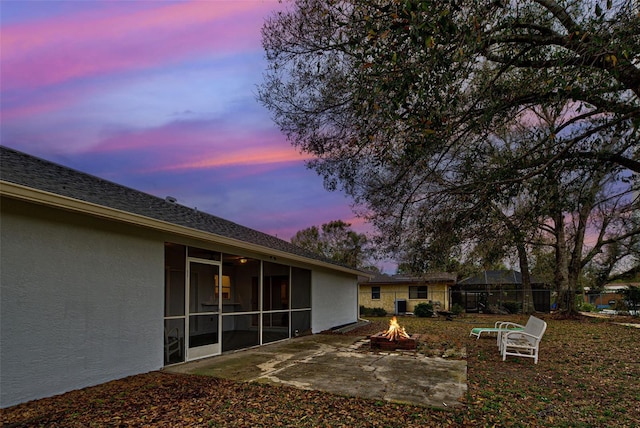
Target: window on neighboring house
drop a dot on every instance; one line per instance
(375, 293)
(418, 292)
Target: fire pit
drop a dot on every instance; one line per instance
(394, 338)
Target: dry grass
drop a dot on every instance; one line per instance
(587, 376)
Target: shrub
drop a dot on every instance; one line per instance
(587, 307)
(379, 312)
(632, 298)
(496, 310)
(423, 310)
(457, 309)
(372, 312)
(621, 306)
(512, 307)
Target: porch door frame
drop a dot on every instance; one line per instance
(211, 349)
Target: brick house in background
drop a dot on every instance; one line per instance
(398, 294)
(610, 297)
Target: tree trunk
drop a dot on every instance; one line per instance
(575, 264)
(527, 294)
(564, 300)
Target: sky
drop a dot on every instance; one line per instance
(160, 96)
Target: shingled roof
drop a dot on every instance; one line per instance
(431, 277)
(29, 171)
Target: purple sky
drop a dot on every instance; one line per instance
(158, 96)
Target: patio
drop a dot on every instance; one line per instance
(343, 365)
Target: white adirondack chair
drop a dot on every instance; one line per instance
(505, 326)
(523, 343)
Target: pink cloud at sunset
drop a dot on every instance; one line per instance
(245, 156)
(39, 104)
(217, 133)
(159, 96)
(203, 144)
(46, 52)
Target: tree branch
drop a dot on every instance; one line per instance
(561, 15)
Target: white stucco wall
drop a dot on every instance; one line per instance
(81, 302)
(334, 299)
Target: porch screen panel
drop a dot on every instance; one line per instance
(300, 322)
(201, 253)
(275, 326)
(173, 341)
(203, 330)
(203, 296)
(275, 287)
(174, 283)
(240, 331)
(243, 274)
(174, 303)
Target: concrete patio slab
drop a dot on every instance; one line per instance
(343, 365)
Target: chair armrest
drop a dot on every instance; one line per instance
(507, 334)
(504, 325)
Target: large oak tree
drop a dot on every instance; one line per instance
(405, 105)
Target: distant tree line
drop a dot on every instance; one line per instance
(338, 242)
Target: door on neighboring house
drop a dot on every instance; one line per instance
(203, 320)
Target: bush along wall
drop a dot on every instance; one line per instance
(372, 312)
(423, 310)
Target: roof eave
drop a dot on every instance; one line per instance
(41, 197)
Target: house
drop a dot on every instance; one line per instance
(498, 288)
(99, 281)
(401, 293)
(611, 297)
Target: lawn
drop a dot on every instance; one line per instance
(588, 376)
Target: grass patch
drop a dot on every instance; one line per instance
(243, 370)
